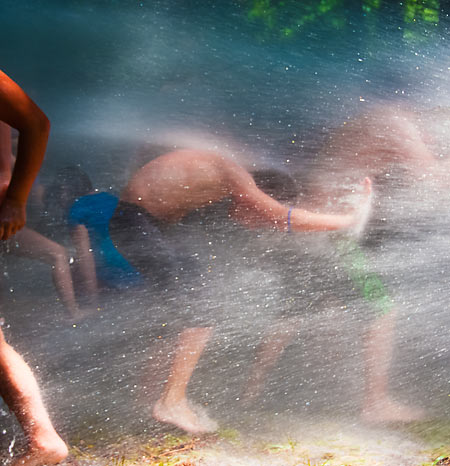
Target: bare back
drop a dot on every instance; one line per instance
(175, 183)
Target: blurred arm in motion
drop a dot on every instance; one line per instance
(253, 207)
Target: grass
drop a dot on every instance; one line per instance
(436, 434)
(170, 450)
(164, 450)
(230, 447)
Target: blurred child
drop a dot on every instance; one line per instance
(166, 226)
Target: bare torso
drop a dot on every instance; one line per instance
(178, 182)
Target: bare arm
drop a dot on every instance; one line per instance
(85, 258)
(20, 112)
(5, 159)
(253, 207)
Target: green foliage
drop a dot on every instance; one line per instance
(426, 10)
(370, 5)
(288, 18)
(419, 16)
(263, 11)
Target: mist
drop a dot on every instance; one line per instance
(124, 82)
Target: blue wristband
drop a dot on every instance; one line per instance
(289, 219)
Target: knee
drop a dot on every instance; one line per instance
(59, 256)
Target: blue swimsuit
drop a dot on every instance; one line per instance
(94, 211)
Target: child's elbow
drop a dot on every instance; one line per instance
(35, 121)
(43, 123)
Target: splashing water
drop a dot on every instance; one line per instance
(120, 78)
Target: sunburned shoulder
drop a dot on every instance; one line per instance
(188, 158)
(191, 154)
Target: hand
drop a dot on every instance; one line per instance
(12, 218)
(362, 213)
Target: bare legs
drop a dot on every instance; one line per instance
(378, 406)
(19, 389)
(173, 407)
(35, 246)
(268, 353)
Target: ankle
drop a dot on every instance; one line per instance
(49, 444)
(173, 398)
(42, 435)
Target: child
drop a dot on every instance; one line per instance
(87, 212)
(182, 192)
(18, 386)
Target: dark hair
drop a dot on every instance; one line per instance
(276, 184)
(69, 184)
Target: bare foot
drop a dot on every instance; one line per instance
(47, 451)
(80, 315)
(210, 424)
(389, 411)
(184, 416)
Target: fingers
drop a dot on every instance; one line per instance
(363, 212)
(367, 185)
(15, 229)
(7, 230)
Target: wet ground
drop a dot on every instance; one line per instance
(276, 442)
(287, 442)
(101, 377)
